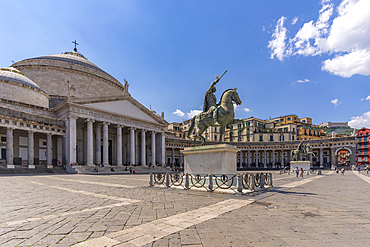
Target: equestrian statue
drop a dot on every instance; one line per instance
(216, 114)
(304, 149)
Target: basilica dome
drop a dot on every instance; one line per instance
(15, 86)
(57, 74)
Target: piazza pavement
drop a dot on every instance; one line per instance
(122, 210)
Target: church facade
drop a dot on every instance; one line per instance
(63, 110)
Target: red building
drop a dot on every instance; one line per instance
(362, 150)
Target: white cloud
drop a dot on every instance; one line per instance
(345, 37)
(367, 98)
(247, 110)
(193, 113)
(277, 44)
(335, 102)
(294, 21)
(360, 121)
(303, 81)
(356, 62)
(178, 113)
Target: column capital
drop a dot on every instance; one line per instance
(49, 134)
(153, 132)
(119, 126)
(9, 128)
(132, 128)
(90, 120)
(73, 117)
(106, 123)
(31, 131)
(144, 130)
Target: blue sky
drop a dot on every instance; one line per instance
(308, 57)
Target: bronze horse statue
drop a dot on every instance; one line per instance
(225, 116)
(305, 150)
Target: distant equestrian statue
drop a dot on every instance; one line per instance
(303, 149)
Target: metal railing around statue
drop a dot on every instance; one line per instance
(210, 182)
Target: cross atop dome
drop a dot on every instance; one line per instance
(76, 44)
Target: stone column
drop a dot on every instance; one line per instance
(172, 157)
(248, 158)
(163, 149)
(132, 146)
(49, 151)
(124, 149)
(119, 145)
(273, 158)
(153, 148)
(128, 159)
(98, 144)
(143, 148)
(9, 148)
(240, 158)
(31, 152)
(180, 158)
(311, 165)
(282, 158)
(71, 140)
(264, 159)
(137, 147)
(105, 144)
(90, 143)
(321, 157)
(333, 157)
(59, 151)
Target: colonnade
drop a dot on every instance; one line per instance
(128, 148)
(250, 156)
(31, 148)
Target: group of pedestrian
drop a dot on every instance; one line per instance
(299, 172)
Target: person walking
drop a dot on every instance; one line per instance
(301, 173)
(342, 171)
(296, 172)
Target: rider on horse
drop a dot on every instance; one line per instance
(210, 105)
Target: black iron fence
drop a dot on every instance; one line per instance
(210, 182)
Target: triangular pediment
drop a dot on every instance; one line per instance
(123, 105)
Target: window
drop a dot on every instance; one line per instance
(288, 118)
(215, 138)
(282, 138)
(271, 137)
(261, 138)
(239, 126)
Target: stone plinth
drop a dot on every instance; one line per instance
(216, 159)
(306, 165)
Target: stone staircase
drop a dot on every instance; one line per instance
(83, 169)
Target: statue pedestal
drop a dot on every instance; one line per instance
(217, 159)
(306, 165)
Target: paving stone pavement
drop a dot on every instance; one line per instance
(121, 210)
